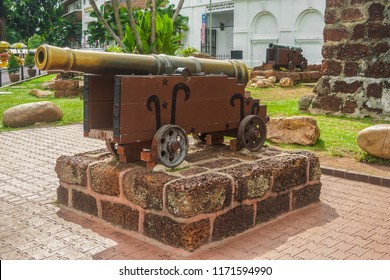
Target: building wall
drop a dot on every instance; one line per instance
(260, 22)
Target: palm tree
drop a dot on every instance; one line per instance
(153, 24)
(133, 26)
(107, 26)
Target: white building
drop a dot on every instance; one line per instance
(249, 26)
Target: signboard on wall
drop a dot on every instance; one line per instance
(203, 29)
(220, 7)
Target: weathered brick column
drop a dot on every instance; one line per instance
(356, 62)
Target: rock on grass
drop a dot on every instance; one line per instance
(31, 113)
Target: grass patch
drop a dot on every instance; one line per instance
(338, 133)
(71, 107)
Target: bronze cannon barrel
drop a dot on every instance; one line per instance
(54, 58)
(287, 47)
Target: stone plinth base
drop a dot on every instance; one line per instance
(221, 193)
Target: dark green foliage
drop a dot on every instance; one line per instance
(167, 41)
(35, 41)
(24, 18)
(44, 17)
(29, 60)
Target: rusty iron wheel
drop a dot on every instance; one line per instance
(112, 148)
(291, 66)
(170, 145)
(252, 133)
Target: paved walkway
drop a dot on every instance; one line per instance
(351, 222)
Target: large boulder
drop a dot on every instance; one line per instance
(66, 88)
(375, 140)
(31, 113)
(294, 130)
(286, 82)
(262, 82)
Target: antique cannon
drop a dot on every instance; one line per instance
(144, 106)
(286, 56)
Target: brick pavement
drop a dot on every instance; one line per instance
(351, 222)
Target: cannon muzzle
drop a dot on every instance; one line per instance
(92, 62)
(287, 47)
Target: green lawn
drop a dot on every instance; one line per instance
(72, 107)
(338, 133)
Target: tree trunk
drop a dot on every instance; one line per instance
(108, 28)
(178, 9)
(115, 6)
(133, 26)
(3, 12)
(153, 24)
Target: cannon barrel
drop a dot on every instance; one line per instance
(54, 58)
(279, 46)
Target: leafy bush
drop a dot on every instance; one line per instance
(29, 61)
(13, 65)
(166, 40)
(35, 41)
(114, 49)
(189, 51)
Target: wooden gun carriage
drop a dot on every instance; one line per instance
(144, 106)
(289, 57)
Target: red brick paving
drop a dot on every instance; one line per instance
(352, 221)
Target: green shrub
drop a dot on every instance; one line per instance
(189, 51)
(114, 49)
(13, 65)
(29, 61)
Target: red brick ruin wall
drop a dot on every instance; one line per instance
(356, 64)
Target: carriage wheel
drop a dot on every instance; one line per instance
(291, 66)
(112, 148)
(170, 145)
(252, 133)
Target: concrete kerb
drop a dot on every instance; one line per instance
(355, 176)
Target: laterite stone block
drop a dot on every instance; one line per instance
(272, 207)
(207, 193)
(341, 86)
(105, 177)
(73, 169)
(251, 180)
(62, 195)
(180, 235)
(84, 202)
(314, 164)
(193, 171)
(306, 196)
(145, 188)
(288, 172)
(237, 220)
(219, 163)
(120, 215)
